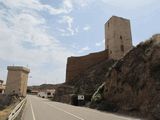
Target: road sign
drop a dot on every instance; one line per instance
(80, 97)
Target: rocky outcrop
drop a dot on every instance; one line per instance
(92, 78)
(85, 83)
(63, 93)
(6, 100)
(43, 87)
(132, 85)
(84, 75)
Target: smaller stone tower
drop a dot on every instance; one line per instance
(118, 38)
(17, 80)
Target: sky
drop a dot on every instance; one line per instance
(41, 34)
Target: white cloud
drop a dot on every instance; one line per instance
(124, 4)
(77, 29)
(69, 21)
(101, 43)
(66, 6)
(87, 28)
(24, 39)
(82, 3)
(129, 4)
(69, 30)
(98, 44)
(84, 49)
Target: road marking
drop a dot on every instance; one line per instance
(32, 110)
(110, 114)
(94, 111)
(24, 111)
(66, 112)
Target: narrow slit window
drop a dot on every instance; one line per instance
(122, 48)
(121, 37)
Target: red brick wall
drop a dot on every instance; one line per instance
(77, 65)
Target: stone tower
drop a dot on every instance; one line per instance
(17, 80)
(118, 38)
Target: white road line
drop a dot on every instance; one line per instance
(66, 112)
(115, 116)
(24, 111)
(32, 110)
(94, 111)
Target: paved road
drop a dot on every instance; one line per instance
(43, 109)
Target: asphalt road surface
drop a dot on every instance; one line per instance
(42, 109)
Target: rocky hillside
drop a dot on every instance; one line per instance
(43, 87)
(132, 86)
(85, 83)
(92, 78)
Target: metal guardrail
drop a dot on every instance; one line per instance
(15, 112)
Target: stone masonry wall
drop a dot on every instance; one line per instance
(17, 80)
(77, 65)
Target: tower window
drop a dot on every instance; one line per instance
(121, 37)
(108, 24)
(122, 48)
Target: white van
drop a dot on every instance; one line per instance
(42, 95)
(50, 93)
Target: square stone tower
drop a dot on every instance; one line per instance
(118, 38)
(17, 80)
